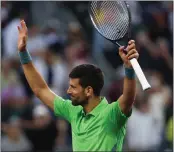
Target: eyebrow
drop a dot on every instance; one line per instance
(72, 86)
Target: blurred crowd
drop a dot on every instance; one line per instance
(61, 36)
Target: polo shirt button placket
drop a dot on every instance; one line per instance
(87, 118)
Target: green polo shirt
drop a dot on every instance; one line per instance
(103, 129)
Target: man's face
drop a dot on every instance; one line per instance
(77, 93)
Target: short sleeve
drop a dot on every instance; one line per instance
(116, 115)
(62, 108)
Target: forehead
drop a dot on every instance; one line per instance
(74, 81)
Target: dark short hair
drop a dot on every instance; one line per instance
(89, 75)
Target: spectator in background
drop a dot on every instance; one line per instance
(72, 55)
(52, 38)
(14, 138)
(156, 53)
(141, 129)
(115, 89)
(77, 39)
(13, 97)
(40, 128)
(170, 15)
(159, 99)
(136, 12)
(54, 70)
(36, 43)
(164, 49)
(9, 76)
(63, 137)
(5, 9)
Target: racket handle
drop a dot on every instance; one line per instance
(144, 83)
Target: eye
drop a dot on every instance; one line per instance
(72, 86)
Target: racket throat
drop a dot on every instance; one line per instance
(120, 46)
(117, 44)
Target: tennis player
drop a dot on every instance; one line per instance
(96, 125)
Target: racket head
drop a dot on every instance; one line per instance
(111, 19)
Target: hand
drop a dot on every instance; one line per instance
(131, 53)
(23, 35)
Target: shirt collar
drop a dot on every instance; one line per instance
(98, 108)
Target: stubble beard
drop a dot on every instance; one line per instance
(77, 102)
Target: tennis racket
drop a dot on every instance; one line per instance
(112, 20)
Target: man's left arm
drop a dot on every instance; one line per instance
(126, 100)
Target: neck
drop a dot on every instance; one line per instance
(92, 103)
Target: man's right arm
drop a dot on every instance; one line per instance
(38, 85)
(35, 80)
(61, 107)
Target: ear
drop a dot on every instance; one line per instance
(88, 91)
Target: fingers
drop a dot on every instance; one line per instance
(132, 54)
(121, 48)
(131, 45)
(131, 50)
(135, 55)
(131, 41)
(23, 26)
(19, 29)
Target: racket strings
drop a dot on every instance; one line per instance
(110, 18)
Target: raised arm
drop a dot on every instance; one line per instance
(35, 80)
(126, 100)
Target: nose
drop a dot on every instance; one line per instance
(68, 91)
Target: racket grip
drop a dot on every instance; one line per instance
(144, 83)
